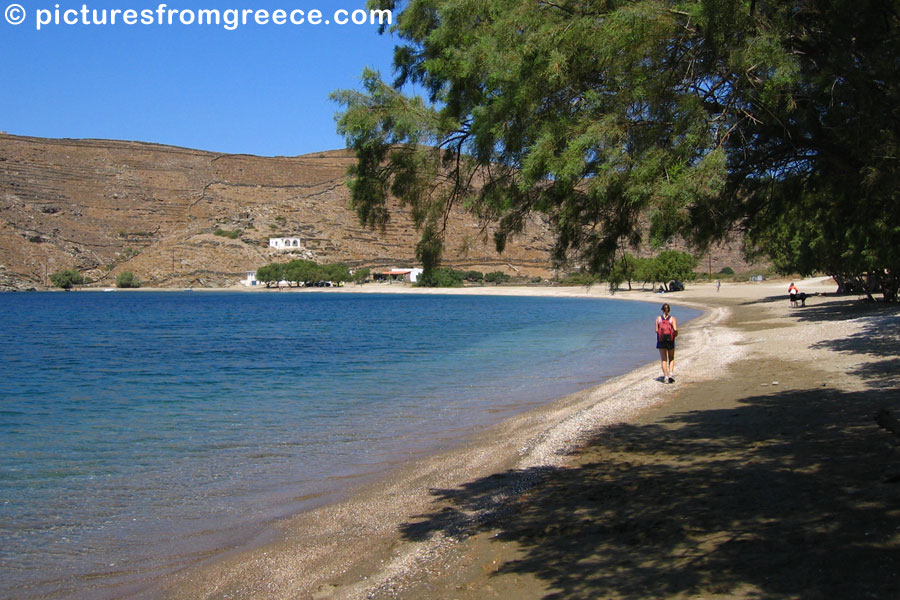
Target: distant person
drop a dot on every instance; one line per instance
(792, 292)
(718, 285)
(666, 332)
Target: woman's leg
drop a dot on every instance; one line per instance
(671, 358)
(664, 359)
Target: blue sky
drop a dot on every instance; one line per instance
(259, 89)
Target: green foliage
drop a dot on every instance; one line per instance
(441, 277)
(497, 277)
(361, 275)
(126, 279)
(726, 271)
(701, 115)
(66, 279)
(336, 273)
(627, 268)
(666, 266)
(580, 278)
(303, 271)
(270, 274)
(671, 264)
(232, 235)
(473, 276)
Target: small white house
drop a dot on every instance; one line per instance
(285, 243)
(395, 274)
(250, 279)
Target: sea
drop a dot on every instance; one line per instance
(140, 431)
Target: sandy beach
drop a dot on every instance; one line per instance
(760, 473)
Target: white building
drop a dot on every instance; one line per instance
(286, 243)
(395, 274)
(250, 279)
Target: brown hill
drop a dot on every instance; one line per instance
(104, 207)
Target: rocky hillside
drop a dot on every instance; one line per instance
(104, 207)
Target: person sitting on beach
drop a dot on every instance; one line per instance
(792, 292)
(666, 332)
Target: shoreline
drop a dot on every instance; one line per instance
(440, 526)
(307, 555)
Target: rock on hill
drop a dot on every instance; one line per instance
(104, 207)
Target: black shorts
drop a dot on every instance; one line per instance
(670, 345)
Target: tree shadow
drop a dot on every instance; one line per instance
(788, 495)
(837, 308)
(879, 336)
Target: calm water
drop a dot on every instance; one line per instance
(140, 429)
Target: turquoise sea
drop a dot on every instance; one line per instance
(140, 430)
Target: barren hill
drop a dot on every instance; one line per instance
(107, 206)
(104, 207)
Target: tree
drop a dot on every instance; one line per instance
(67, 279)
(336, 273)
(362, 275)
(126, 279)
(671, 264)
(270, 274)
(624, 269)
(703, 115)
(303, 271)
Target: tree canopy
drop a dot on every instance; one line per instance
(301, 271)
(67, 279)
(779, 118)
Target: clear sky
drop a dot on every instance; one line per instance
(256, 89)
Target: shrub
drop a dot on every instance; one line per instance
(579, 279)
(126, 279)
(66, 279)
(726, 271)
(497, 277)
(441, 277)
(473, 276)
(232, 235)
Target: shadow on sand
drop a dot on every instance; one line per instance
(788, 495)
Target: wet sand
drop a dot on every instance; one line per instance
(760, 473)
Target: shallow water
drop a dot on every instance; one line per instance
(138, 430)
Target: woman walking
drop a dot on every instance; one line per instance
(666, 332)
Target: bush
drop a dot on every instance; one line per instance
(497, 277)
(126, 279)
(66, 279)
(726, 271)
(441, 277)
(579, 279)
(473, 276)
(232, 235)
(361, 275)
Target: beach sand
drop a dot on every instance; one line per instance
(760, 473)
